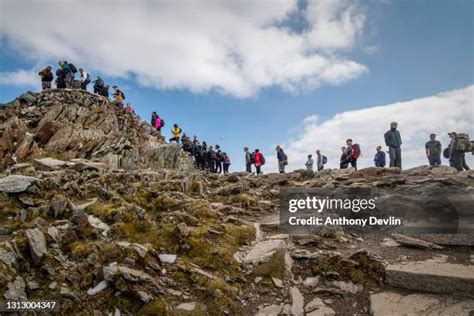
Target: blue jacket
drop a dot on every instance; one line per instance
(379, 159)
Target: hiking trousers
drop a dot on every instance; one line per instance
(395, 157)
(281, 166)
(435, 160)
(46, 84)
(248, 167)
(459, 161)
(226, 168)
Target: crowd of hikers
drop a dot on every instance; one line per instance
(66, 79)
(213, 159)
(459, 145)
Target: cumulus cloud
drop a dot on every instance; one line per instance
(440, 114)
(28, 78)
(232, 47)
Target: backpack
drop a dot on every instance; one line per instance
(446, 153)
(73, 68)
(325, 160)
(252, 158)
(262, 159)
(162, 122)
(462, 143)
(227, 160)
(123, 95)
(355, 151)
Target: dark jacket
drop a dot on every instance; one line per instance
(281, 156)
(379, 159)
(393, 138)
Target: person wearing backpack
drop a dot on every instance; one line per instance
(394, 142)
(248, 160)
(433, 149)
(352, 154)
(46, 77)
(309, 164)
(85, 79)
(342, 162)
(226, 162)
(218, 159)
(119, 96)
(379, 158)
(68, 73)
(211, 159)
(259, 160)
(282, 159)
(457, 150)
(176, 133)
(321, 160)
(99, 85)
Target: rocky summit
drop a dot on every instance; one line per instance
(105, 218)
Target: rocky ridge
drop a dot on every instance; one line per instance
(163, 238)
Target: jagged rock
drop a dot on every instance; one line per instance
(389, 303)
(9, 258)
(66, 293)
(415, 242)
(263, 251)
(16, 183)
(102, 285)
(297, 302)
(189, 307)
(98, 224)
(49, 164)
(16, 290)
(432, 276)
(311, 282)
(277, 282)
(167, 258)
(37, 244)
(26, 200)
(270, 310)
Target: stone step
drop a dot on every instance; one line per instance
(432, 276)
(391, 303)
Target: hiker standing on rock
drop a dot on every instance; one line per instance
(433, 151)
(394, 141)
(119, 96)
(195, 144)
(210, 159)
(259, 160)
(309, 164)
(85, 79)
(457, 148)
(343, 164)
(352, 153)
(68, 73)
(248, 160)
(282, 159)
(176, 133)
(60, 78)
(321, 160)
(226, 162)
(218, 159)
(99, 85)
(46, 77)
(379, 158)
(129, 108)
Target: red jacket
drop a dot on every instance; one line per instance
(258, 159)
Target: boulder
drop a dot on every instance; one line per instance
(37, 244)
(16, 183)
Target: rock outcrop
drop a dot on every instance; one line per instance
(72, 124)
(110, 221)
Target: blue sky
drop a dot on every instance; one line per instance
(408, 50)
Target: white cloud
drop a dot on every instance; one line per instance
(417, 118)
(233, 47)
(28, 78)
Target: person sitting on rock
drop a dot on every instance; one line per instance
(119, 96)
(309, 164)
(343, 164)
(176, 133)
(226, 162)
(46, 77)
(379, 158)
(85, 79)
